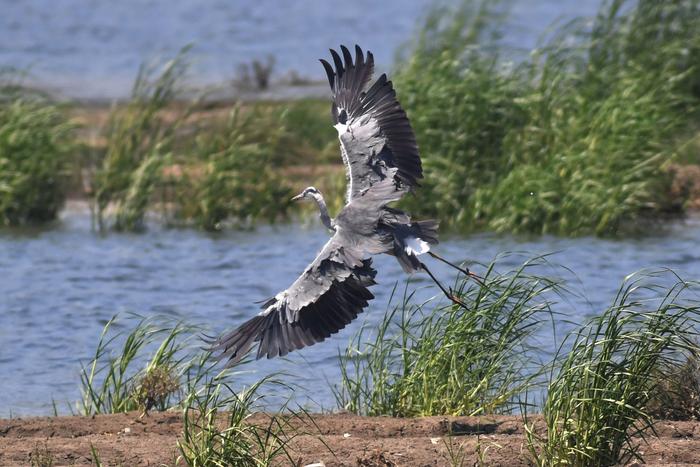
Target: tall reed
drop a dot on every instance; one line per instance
(573, 140)
(596, 407)
(36, 140)
(241, 179)
(144, 372)
(139, 139)
(445, 360)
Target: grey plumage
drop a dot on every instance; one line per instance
(329, 294)
(379, 135)
(382, 162)
(377, 143)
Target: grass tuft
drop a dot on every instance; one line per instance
(574, 141)
(595, 409)
(143, 373)
(445, 360)
(41, 456)
(155, 388)
(218, 430)
(676, 395)
(35, 144)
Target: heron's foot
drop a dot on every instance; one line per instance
(464, 271)
(456, 300)
(478, 279)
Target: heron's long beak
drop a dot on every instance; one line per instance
(298, 197)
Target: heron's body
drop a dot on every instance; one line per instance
(377, 144)
(381, 157)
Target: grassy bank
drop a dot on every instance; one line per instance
(209, 166)
(36, 146)
(445, 360)
(580, 137)
(596, 398)
(575, 140)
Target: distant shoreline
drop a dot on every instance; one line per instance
(221, 94)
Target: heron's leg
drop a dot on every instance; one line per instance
(464, 271)
(449, 294)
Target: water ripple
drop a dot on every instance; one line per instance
(60, 287)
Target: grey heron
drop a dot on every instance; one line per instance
(375, 135)
(382, 164)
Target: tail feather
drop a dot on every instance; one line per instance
(409, 263)
(427, 230)
(405, 238)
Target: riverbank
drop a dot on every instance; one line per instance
(569, 142)
(92, 119)
(331, 439)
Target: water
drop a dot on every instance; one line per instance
(91, 49)
(60, 286)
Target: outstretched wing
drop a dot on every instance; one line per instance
(373, 129)
(328, 295)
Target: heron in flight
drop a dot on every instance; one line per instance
(382, 164)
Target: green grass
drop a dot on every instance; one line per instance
(153, 364)
(218, 431)
(574, 140)
(140, 370)
(596, 406)
(309, 137)
(241, 181)
(139, 143)
(610, 377)
(247, 169)
(36, 140)
(445, 360)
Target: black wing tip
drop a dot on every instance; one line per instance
(330, 73)
(236, 344)
(338, 62)
(359, 56)
(275, 336)
(342, 65)
(347, 57)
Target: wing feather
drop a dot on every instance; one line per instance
(340, 70)
(379, 135)
(347, 57)
(329, 71)
(328, 295)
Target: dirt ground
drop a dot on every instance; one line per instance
(333, 440)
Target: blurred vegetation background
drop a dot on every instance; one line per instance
(588, 134)
(36, 143)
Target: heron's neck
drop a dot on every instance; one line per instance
(325, 217)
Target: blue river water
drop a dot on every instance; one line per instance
(91, 49)
(59, 286)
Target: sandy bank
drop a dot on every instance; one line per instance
(126, 439)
